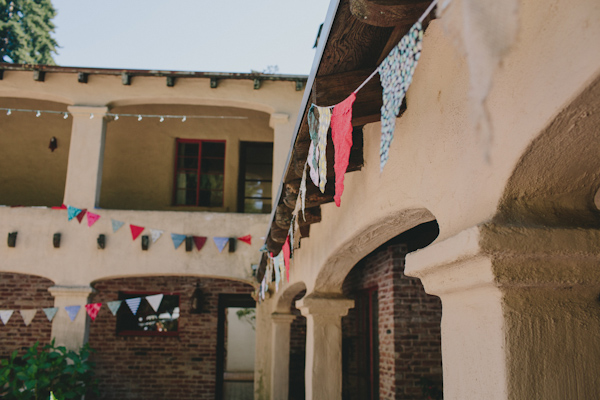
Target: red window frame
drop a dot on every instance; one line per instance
(144, 333)
(198, 170)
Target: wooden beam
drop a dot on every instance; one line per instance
(385, 13)
(170, 81)
(39, 76)
(126, 79)
(82, 77)
(257, 83)
(283, 216)
(278, 234)
(314, 197)
(214, 82)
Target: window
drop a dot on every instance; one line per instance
(199, 173)
(147, 322)
(256, 177)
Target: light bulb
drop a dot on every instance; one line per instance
(91, 116)
(65, 116)
(9, 112)
(38, 113)
(139, 117)
(162, 119)
(183, 119)
(116, 117)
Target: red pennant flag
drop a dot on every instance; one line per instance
(92, 309)
(81, 214)
(341, 134)
(286, 257)
(61, 207)
(246, 239)
(92, 218)
(199, 241)
(136, 231)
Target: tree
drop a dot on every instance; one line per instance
(25, 31)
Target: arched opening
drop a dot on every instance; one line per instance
(174, 350)
(33, 172)
(391, 338)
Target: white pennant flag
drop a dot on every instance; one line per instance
(155, 234)
(5, 315)
(28, 316)
(154, 301)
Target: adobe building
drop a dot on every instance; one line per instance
(188, 153)
(489, 199)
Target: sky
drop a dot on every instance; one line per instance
(189, 35)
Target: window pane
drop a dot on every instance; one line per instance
(187, 162)
(211, 182)
(257, 189)
(259, 171)
(212, 149)
(257, 206)
(212, 166)
(204, 198)
(187, 180)
(188, 149)
(216, 199)
(259, 153)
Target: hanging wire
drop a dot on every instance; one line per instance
(65, 115)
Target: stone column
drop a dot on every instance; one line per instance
(86, 153)
(323, 374)
(283, 130)
(71, 334)
(280, 355)
(521, 316)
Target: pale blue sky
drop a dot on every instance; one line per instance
(194, 35)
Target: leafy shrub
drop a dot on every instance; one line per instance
(68, 374)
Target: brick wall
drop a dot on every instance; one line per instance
(17, 292)
(182, 367)
(408, 328)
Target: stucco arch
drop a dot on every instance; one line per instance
(248, 281)
(283, 299)
(367, 237)
(26, 273)
(555, 180)
(35, 95)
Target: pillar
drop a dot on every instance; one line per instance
(86, 153)
(323, 374)
(521, 316)
(283, 131)
(280, 355)
(71, 334)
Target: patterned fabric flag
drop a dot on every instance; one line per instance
(92, 218)
(199, 241)
(154, 301)
(396, 73)
(134, 304)
(246, 239)
(5, 315)
(116, 225)
(93, 309)
(313, 162)
(28, 316)
(277, 277)
(155, 234)
(286, 257)
(81, 214)
(113, 306)
(303, 192)
(220, 242)
(72, 311)
(136, 231)
(341, 134)
(324, 121)
(72, 212)
(50, 312)
(177, 239)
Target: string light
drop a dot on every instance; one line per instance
(66, 116)
(38, 113)
(139, 117)
(92, 116)
(116, 117)
(162, 119)
(183, 119)
(9, 112)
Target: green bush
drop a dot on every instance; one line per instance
(68, 374)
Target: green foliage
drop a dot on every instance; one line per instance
(66, 373)
(25, 31)
(248, 315)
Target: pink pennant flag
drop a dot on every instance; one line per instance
(92, 218)
(92, 310)
(286, 257)
(246, 239)
(61, 207)
(341, 134)
(136, 231)
(81, 214)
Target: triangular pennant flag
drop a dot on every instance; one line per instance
(154, 301)
(134, 304)
(72, 212)
(199, 241)
(177, 239)
(221, 242)
(341, 134)
(50, 312)
(136, 231)
(72, 311)
(324, 121)
(113, 306)
(61, 207)
(92, 218)
(116, 225)
(92, 310)
(5, 315)
(28, 316)
(81, 214)
(246, 239)
(286, 257)
(155, 234)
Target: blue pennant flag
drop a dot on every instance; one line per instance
(221, 242)
(72, 311)
(177, 239)
(116, 225)
(73, 212)
(134, 304)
